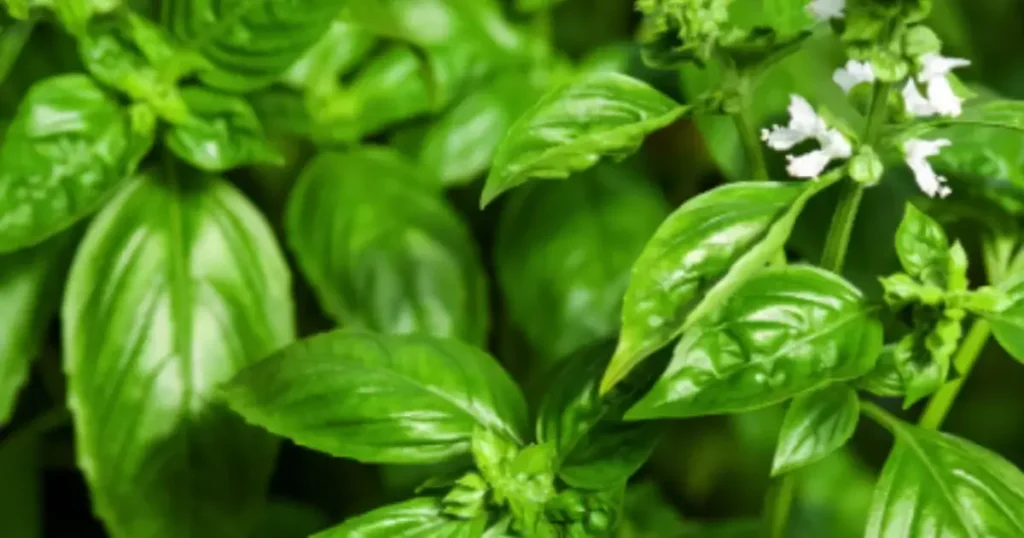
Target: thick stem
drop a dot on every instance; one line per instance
(941, 402)
(751, 142)
(777, 505)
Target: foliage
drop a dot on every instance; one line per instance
(278, 268)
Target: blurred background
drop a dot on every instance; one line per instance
(709, 475)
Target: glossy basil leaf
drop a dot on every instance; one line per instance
(379, 398)
(564, 252)
(178, 284)
(110, 55)
(30, 285)
(885, 378)
(595, 449)
(997, 113)
(417, 518)
(696, 259)
(572, 127)
(67, 149)
(221, 133)
(937, 485)
(816, 424)
(247, 45)
(784, 332)
(338, 50)
(923, 247)
(378, 267)
(1008, 323)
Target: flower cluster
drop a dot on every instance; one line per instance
(937, 99)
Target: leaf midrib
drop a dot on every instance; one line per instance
(950, 499)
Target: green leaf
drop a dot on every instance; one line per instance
(415, 518)
(221, 133)
(390, 89)
(923, 247)
(533, 6)
(339, 50)
(816, 425)
(461, 145)
(383, 250)
(784, 332)
(572, 127)
(177, 285)
(67, 150)
(1008, 323)
(885, 379)
(247, 44)
(30, 284)
(936, 485)
(379, 398)
(564, 252)
(595, 449)
(697, 258)
(75, 14)
(993, 113)
(429, 23)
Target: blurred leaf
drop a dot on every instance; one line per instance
(392, 87)
(422, 517)
(383, 250)
(647, 514)
(222, 133)
(436, 22)
(248, 45)
(564, 253)
(379, 398)
(1008, 324)
(31, 282)
(571, 128)
(816, 425)
(177, 285)
(695, 260)
(69, 147)
(338, 51)
(786, 331)
(936, 485)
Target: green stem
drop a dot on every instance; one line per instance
(941, 402)
(780, 498)
(751, 142)
(880, 415)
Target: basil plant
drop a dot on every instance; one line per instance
(284, 268)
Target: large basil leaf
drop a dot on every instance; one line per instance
(30, 286)
(247, 44)
(936, 485)
(698, 256)
(383, 250)
(564, 253)
(177, 285)
(67, 149)
(595, 449)
(461, 144)
(784, 332)
(572, 127)
(221, 133)
(379, 398)
(1008, 323)
(816, 425)
(416, 518)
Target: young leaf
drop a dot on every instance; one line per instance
(415, 518)
(67, 149)
(564, 252)
(935, 485)
(923, 247)
(177, 285)
(30, 284)
(222, 132)
(816, 425)
(383, 250)
(595, 449)
(379, 398)
(572, 127)
(248, 45)
(784, 332)
(1008, 323)
(696, 259)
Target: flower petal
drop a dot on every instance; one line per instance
(917, 153)
(915, 103)
(853, 74)
(782, 138)
(935, 65)
(943, 99)
(824, 10)
(810, 165)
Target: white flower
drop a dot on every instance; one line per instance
(941, 100)
(917, 153)
(823, 10)
(806, 124)
(853, 74)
